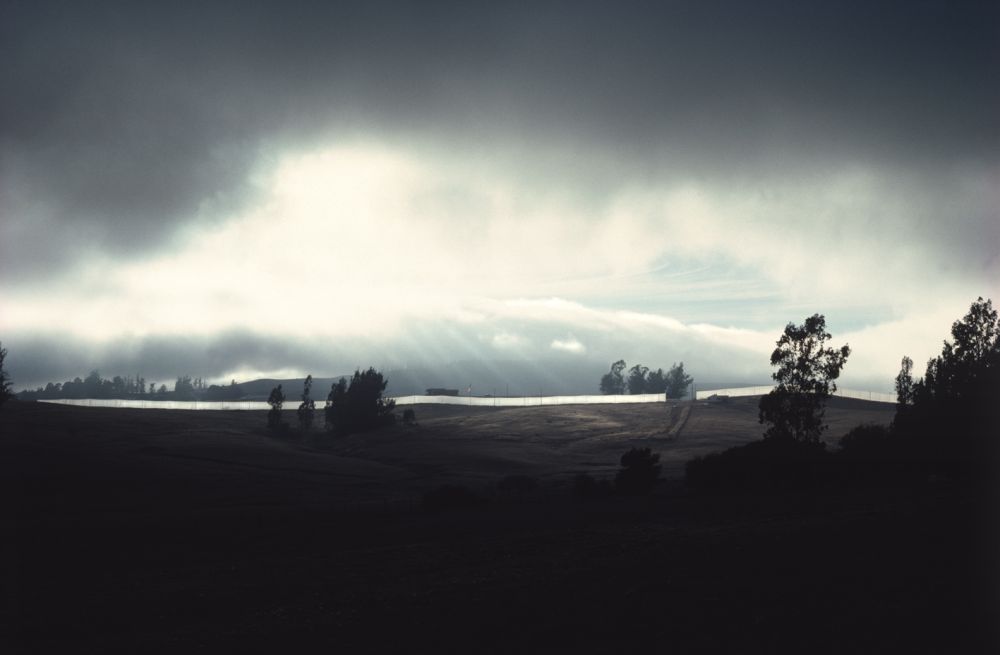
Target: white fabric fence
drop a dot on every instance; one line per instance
(163, 404)
(472, 401)
(874, 396)
(530, 401)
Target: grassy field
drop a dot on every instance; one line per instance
(216, 454)
(171, 531)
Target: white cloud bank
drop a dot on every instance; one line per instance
(569, 345)
(365, 242)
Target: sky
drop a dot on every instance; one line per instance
(248, 189)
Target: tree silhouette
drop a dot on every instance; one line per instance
(94, 387)
(307, 409)
(336, 400)
(275, 400)
(613, 383)
(794, 409)
(677, 381)
(184, 388)
(637, 379)
(5, 393)
(656, 382)
(639, 471)
(360, 406)
(904, 383)
(957, 395)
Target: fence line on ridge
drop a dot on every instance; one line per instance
(471, 401)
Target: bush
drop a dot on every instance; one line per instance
(875, 454)
(451, 496)
(586, 487)
(771, 464)
(868, 439)
(640, 469)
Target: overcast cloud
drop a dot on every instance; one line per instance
(259, 188)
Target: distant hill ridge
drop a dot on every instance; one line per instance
(407, 382)
(478, 378)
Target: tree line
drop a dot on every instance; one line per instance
(354, 405)
(950, 409)
(945, 423)
(640, 379)
(184, 387)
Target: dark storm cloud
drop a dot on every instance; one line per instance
(41, 359)
(121, 122)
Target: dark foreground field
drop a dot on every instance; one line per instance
(168, 531)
